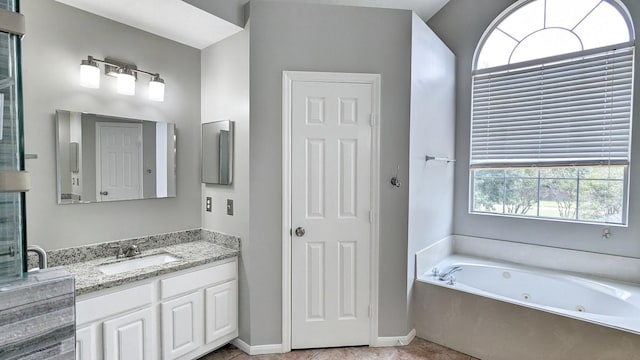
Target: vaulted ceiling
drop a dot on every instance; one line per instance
(200, 23)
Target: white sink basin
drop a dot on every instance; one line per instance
(136, 264)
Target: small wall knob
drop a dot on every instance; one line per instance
(300, 231)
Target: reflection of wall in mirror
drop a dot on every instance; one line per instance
(170, 151)
(223, 151)
(64, 135)
(149, 163)
(75, 156)
(89, 157)
(160, 188)
(211, 147)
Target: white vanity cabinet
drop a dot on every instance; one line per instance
(129, 336)
(221, 305)
(182, 325)
(85, 344)
(182, 315)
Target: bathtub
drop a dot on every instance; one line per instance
(604, 302)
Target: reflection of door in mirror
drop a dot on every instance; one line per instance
(119, 158)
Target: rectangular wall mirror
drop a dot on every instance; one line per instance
(217, 152)
(105, 158)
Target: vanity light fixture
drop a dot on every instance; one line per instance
(125, 73)
(156, 88)
(89, 73)
(126, 81)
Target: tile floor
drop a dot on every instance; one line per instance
(418, 349)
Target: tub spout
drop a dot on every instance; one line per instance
(446, 273)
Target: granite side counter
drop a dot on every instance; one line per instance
(37, 317)
(192, 248)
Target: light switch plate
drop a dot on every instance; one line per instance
(229, 207)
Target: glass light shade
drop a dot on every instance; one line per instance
(156, 90)
(89, 76)
(126, 83)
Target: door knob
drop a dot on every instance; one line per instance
(105, 193)
(300, 232)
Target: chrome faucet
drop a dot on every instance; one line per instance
(128, 251)
(42, 255)
(446, 274)
(132, 250)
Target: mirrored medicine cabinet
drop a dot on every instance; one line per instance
(104, 158)
(217, 152)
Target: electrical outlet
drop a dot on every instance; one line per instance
(229, 207)
(208, 204)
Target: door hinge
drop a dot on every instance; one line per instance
(370, 310)
(371, 216)
(372, 120)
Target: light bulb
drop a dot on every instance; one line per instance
(89, 74)
(156, 88)
(126, 82)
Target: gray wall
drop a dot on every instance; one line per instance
(229, 10)
(460, 24)
(225, 96)
(431, 133)
(58, 37)
(288, 36)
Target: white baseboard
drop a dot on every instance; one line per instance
(277, 348)
(258, 349)
(396, 340)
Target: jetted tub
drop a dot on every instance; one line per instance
(609, 303)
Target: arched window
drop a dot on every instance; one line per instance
(551, 112)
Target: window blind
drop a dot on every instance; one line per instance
(571, 112)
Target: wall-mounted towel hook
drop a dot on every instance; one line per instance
(394, 180)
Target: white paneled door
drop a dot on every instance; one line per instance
(119, 157)
(330, 213)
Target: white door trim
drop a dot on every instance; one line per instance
(288, 77)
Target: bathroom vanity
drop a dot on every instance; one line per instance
(177, 316)
(181, 303)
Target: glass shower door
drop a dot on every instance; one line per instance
(12, 220)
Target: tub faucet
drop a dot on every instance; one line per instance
(446, 274)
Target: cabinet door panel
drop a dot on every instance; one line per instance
(182, 325)
(86, 344)
(130, 337)
(221, 310)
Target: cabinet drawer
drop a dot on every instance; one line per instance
(106, 305)
(197, 279)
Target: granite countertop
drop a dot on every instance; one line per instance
(89, 278)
